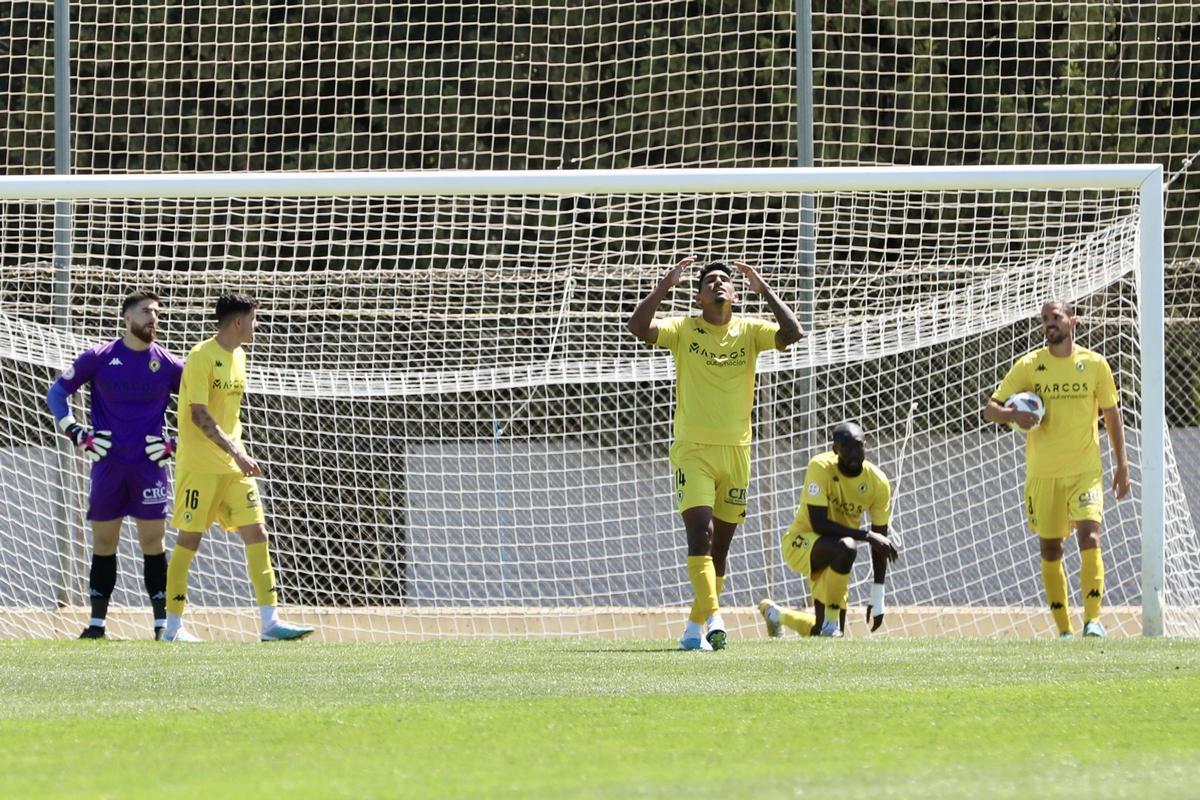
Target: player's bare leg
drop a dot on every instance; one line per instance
(698, 523)
(1091, 576)
(832, 560)
(102, 577)
(262, 578)
(151, 535)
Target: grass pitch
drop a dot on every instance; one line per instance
(579, 718)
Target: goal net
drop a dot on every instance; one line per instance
(460, 438)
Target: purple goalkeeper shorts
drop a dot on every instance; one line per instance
(141, 490)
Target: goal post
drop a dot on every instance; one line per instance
(461, 439)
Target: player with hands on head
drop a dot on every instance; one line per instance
(840, 486)
(131, 380)
(1064, 478)
(215, 475)
(715, 354)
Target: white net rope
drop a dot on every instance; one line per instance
(460, 437)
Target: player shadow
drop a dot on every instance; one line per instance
(593, 650)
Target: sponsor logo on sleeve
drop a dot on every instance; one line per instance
(814, 489)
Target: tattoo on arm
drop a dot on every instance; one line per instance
(205, 422)
(789, 326)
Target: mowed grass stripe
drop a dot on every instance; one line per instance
(857, 718)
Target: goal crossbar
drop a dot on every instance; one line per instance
(627, 181)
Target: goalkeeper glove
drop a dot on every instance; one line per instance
(94, 444)
(161, 449)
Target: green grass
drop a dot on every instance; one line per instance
(793, 718)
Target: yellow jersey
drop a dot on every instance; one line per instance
(1074, 388)
(714, 375)
(216, 378)
(846, 498)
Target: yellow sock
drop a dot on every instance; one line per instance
(818, 586)
(798, 621)
(837, 593)
(262, 577)
(704, 581)
(1091, 581)
(1054, 577)
(720, 587)
(177, 575)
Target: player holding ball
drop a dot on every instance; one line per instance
(1064, 482)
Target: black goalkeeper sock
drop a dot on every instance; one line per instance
(101, 581)
(155, 572)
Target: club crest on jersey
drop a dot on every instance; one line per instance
(862, 488)
(1079, 366)
(155, 365)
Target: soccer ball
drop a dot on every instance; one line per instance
(1026, 401)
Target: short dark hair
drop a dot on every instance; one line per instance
(715, 266)
(232, 304)
(848, 433)
(136, 297)
(1067, 306)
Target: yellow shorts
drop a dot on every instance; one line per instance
(712, 475)
(1053, 505)
(202, 498)
(797, 552)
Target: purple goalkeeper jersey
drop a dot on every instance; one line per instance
(130, 392)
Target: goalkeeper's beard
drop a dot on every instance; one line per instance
(145, 333)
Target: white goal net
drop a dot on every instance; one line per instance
(460, 438)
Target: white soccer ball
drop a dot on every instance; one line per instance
(1026, 401)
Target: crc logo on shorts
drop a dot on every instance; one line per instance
(1087, 498)
(736, 497)
(155, 365)
(252, 499)
(814, 489)
(155, 494)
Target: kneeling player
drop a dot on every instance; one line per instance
(839, 487)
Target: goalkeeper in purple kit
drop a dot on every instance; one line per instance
(131, 379)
